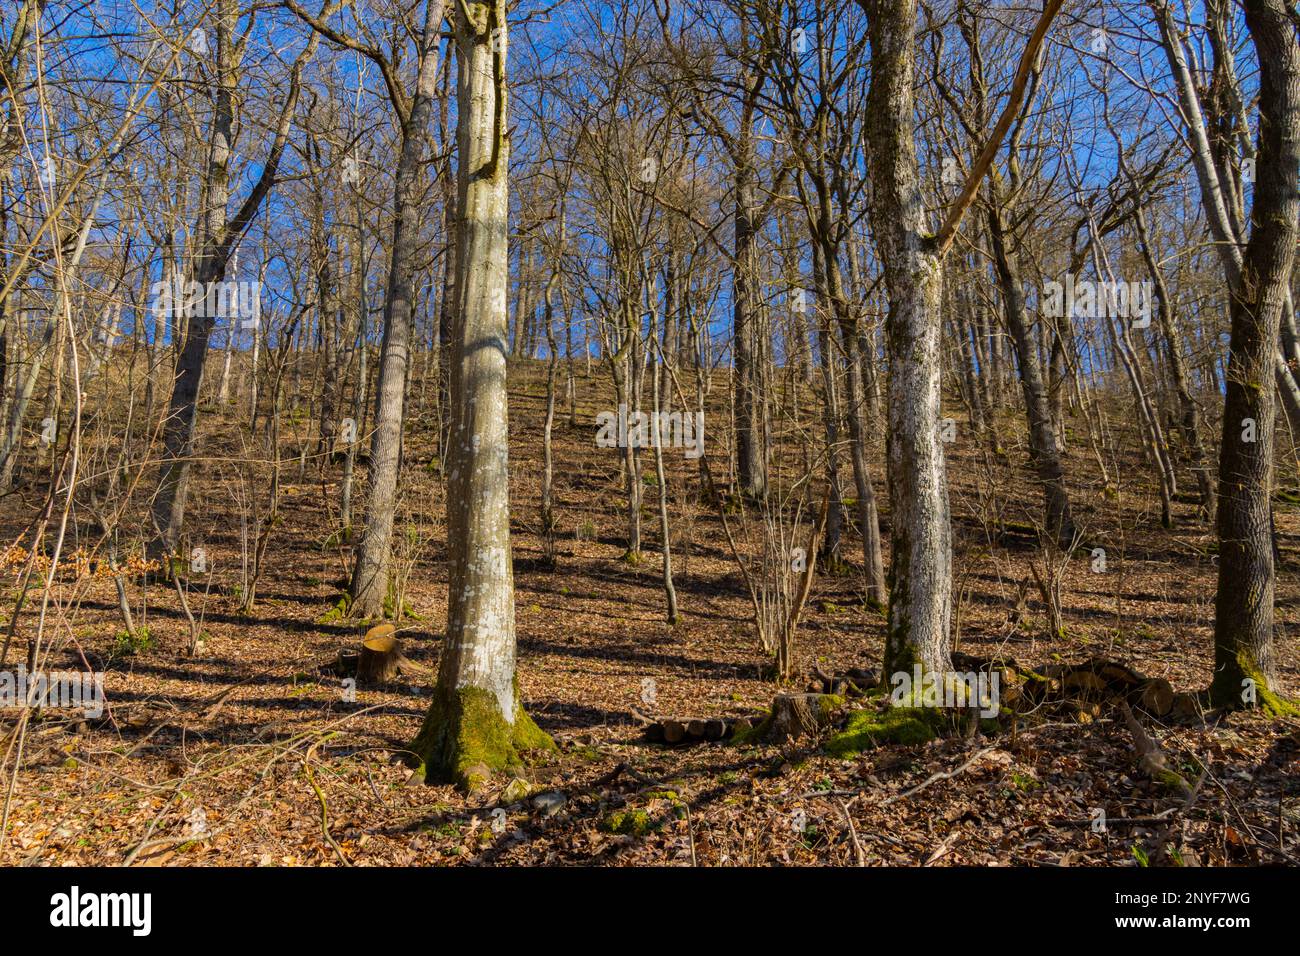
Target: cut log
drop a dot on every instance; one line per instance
(864, 677)
(1084, 684)
(1117, 675)
(674, 731)
(695, 730)
(799, 715)
(380, 658)
(1185, 707)
(1155, 696)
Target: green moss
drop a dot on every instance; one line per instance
(1225, 691)
(744, 738)
(627, 822)
(1024, 782)
(828, 704)
(909, 726)
(465, 739)
(338, 612)
(390, 607)
(1170, 779)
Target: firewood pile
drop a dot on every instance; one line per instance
(1081, 692)
(683, 731)
(854, 682)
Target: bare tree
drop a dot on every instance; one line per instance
(476, 724)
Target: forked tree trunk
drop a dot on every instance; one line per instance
(1244, 666)
(182, 411)
(219, 234)
(475, 724)
(1222, 215)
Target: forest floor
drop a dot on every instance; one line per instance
(236, 755)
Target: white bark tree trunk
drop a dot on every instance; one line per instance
(475, 724)
(920, 605)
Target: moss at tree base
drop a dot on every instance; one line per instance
(866, 729)
(465, 739)
(1226, 690)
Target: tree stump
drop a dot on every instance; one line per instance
(800, 715)
(381, 655)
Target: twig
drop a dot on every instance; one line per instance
(936, 777)
(320, 795)
(853, 833)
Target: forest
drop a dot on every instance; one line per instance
(649, 433)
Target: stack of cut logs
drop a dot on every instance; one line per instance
(854, 682)
(1081, 692)
(687, 730)
(1085, 691)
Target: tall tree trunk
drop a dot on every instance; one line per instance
(1190, 420)
(920, 604)
(370, 574)
(1222, 214)
(661, 479)
(475, 724)
(751, 447)
(1044, 449)
(552, 364)
(1243, 625)
(831, 542)
(218, 237)
(868, 514)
